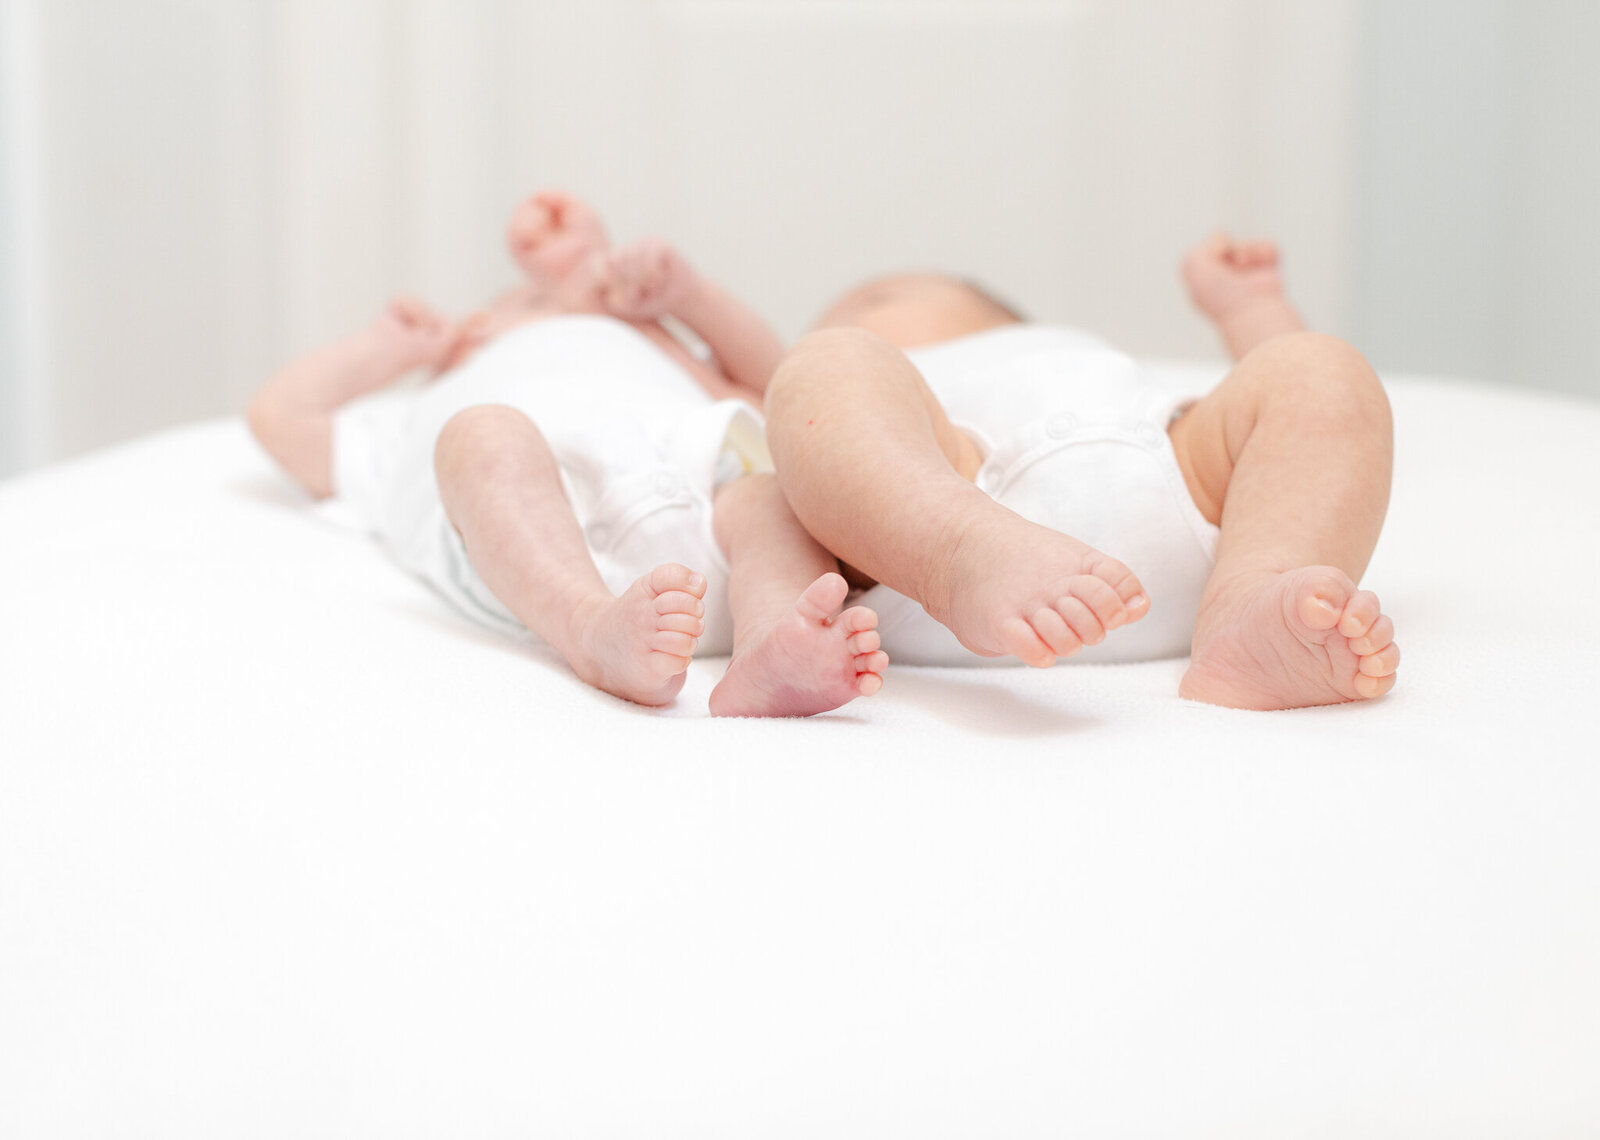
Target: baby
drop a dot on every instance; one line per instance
(557, 473)
(998, 479)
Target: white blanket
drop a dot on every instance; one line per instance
(289, 849)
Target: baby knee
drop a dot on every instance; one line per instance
(846, 347)
(1329, 373)
(828, 357)
(483, 437)
(826, 351)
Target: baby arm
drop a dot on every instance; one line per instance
(1238, 285)
(292, 414)
(650, 279)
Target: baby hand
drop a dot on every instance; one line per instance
(411, 334)
(644, 280)
(551, 235)
(1223, 275)
(464, 339)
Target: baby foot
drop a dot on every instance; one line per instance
(645, 280)
(811, 660)
(410, 334)
(1283, 641)
(1014, 587)
(637, 646)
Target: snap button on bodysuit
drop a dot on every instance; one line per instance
(1061, 426)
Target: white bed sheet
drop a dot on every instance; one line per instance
(288, 849)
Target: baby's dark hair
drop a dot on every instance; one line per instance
(988, 298)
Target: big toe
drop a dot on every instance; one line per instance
(1320, 598)
(822, 598)
(671, 577)
(1360, 612)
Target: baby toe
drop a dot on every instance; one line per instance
(1370, 687)
(679, 602)
(1321, 602)
(1119, 577)
(1359, 613)
(857, 619)
(1053, 630)
(1380, 634)
(1381, 663)
(1018, 639)
(864, 642)
(672, 642)
(681, 623)
(822, 597)
(1081, 619)
(1103, 601)
(672, 576)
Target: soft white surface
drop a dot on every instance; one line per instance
(288, 849)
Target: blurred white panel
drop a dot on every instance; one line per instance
(197, 189)
(138, 126)
(843, 140)
(1430, 195)
(1550, 284)
(248, 310)
(587, 77)
(1300, 69)
(1064, 152)
(27, 422)
(338, 136)
(450, 191)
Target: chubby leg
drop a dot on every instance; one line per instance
(502, 492)
(794, 653)
(874, 469)
(1291, 455)
(292, 413)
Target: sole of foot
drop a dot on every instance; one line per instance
(1017, 588)
(1291, 640)
(638, 645)
(812, 659)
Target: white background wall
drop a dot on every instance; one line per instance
(1477, 190)
(193, 190)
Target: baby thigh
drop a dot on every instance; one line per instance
(1297, 441)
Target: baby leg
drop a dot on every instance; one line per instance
(292, 413)
(874, 469)
(502, 492)
(1291, 455)
(794, 653)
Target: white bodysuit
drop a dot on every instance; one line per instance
(638, 443)
(1074, 437)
